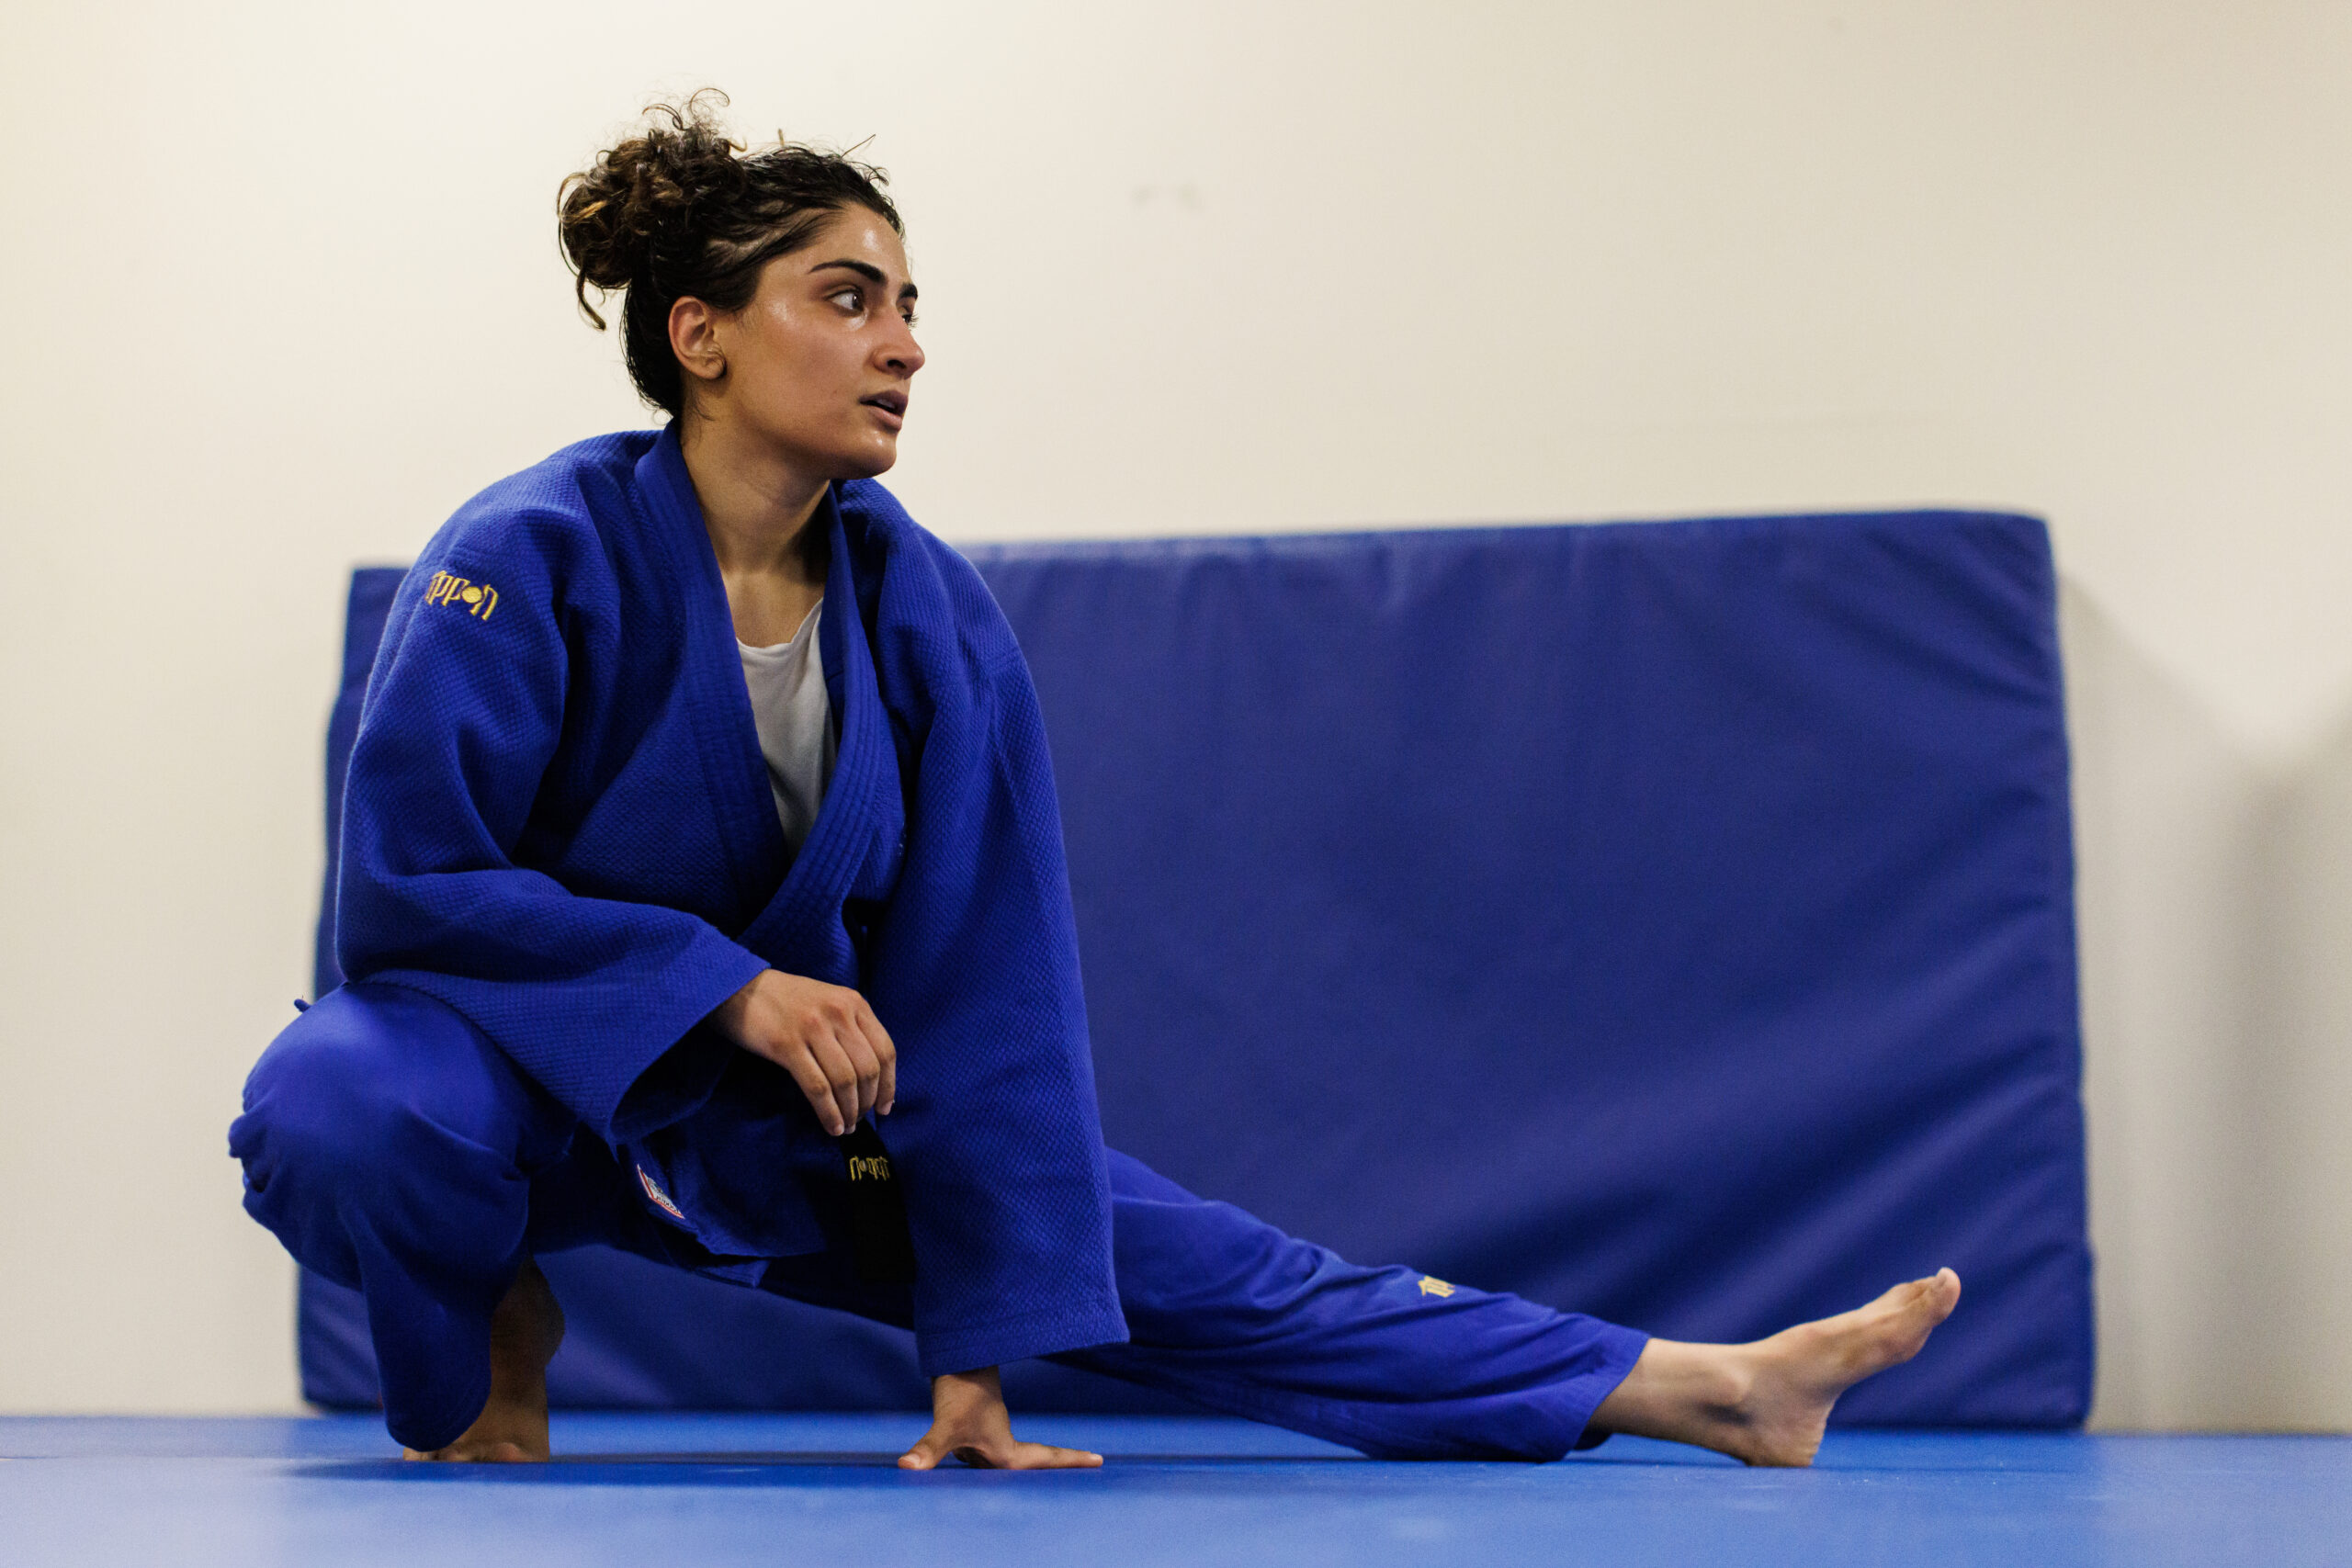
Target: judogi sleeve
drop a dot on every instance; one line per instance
(595, 998)
(977, 976)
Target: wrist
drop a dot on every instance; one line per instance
(728, 1016)
(981, 1382)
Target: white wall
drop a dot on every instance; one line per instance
(2172, 873)
(2215, 902)
(284, 291)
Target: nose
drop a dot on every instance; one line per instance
(898, 352)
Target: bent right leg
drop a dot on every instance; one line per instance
(391, 1146)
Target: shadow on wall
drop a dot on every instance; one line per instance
(2305, 1086)
(2214, 896)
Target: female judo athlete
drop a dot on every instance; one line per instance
(700, 828)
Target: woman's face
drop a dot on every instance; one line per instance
(817, 366)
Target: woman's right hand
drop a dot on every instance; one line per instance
(825, 1036)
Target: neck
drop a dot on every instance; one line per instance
(756, 503)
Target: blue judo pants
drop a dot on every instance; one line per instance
(396, 1151)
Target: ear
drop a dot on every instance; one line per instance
(694, 338)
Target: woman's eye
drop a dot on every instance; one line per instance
(855, 298)
(907, 317)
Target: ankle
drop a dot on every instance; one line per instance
(527, 1327)
(1730, 1377)
(1688, 1392)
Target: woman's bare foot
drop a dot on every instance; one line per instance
(1768, 1402)
(524, 1334)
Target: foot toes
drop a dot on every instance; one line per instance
(1940, 1293)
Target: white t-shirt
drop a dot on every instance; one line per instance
(795, 718)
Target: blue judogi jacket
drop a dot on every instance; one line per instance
(558, 821)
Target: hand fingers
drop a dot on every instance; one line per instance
(1040, 1456)
(841, 1079)
(866, 1062)
(814, 1086)
(926, 1454)
(817, 1032)
(886, 1095)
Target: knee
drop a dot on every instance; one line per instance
(382, 1124)
(358, 1089)
(321, 1098)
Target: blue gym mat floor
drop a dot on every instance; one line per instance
(654, 1491)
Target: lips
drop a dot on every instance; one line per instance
(892, 406)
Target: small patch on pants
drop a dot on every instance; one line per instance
(653, 1190)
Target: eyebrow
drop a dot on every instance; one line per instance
(867, 270)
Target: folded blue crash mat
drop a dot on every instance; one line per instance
(1671, 921)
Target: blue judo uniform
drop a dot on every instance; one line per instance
(560, 853)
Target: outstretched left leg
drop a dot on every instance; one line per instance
(1230, 1312)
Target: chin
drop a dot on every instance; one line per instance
(868, 467)
(868, 464)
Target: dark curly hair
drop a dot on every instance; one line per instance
(681, 211)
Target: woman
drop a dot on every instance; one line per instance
(699, 813)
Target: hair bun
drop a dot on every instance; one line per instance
(619, 218)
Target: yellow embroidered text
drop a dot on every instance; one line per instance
(862, 1167)
(1435, 1287)
(479, 599)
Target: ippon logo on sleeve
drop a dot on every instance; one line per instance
(1432, 1286)
(476, 599)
